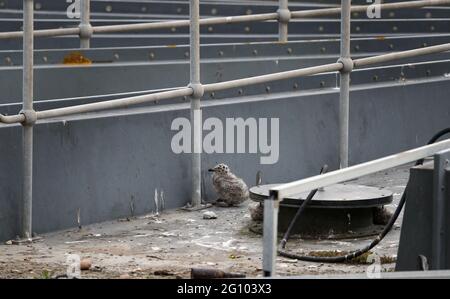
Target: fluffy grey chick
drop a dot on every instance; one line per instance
(232, 190)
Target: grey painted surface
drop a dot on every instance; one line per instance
(417, 226)
(101, 162)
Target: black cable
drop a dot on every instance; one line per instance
(300, 211)
(387, 228)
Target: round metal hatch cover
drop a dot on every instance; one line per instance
(334, 196)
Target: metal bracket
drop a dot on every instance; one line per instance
(30, 117)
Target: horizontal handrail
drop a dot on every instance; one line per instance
(221, 20)
(356, 171)
(120, 103)
(117, 103)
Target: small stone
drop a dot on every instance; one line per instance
(209, 215)
(124, 276)
(9, 242)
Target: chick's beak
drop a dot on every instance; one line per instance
(211, 170)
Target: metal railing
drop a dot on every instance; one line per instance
(195, 90)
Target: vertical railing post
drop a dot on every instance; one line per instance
(196, 113)
(85, 24)
(270, 233)
(284, 15)
(30, 119)
(344, 99)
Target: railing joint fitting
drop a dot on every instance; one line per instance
(86, 30)
(347, 64)
(198, 90)
(284, 15)
(30, 116)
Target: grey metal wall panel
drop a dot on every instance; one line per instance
(97, 79)
(316, 49)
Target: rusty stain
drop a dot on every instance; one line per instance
(381, 37)
(76, 58)
(171, 46)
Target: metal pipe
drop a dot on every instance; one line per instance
(400, 55)
(85, 24)
(344, 94)
(284, 16)
(184, 23)
(41, 33)
(13, 119)
(270, 233)
(359, 170)
(332, 67)
(197, 93)
(112, 104)
(27, 132)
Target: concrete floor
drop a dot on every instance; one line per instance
(170, 244)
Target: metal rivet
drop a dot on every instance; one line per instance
(432, 28)
(267, 89)
(249, 11)
(173, 29)
(185, 98)
(375, 78)
(322, 83)
(179, 10)
(428, 72)
(289, 50)
(357, 48)
(38, 6)
(247, 29)
(8, 60)
(151, 55)
(391, 46)
(321, 28)
(255, 52)
(356, 14)
(210, 29)
(428, 15)
(295, 85)
(240, 91)
(424, 44)
(323, 49)
(116, 56)
(214, 11)
(144, 9)
(212, 95)
(358, 28)
(2, 4)
(394, 28)
(186, 54)
(45, 59)
(391, 14)
(108, 8)
(220, 53)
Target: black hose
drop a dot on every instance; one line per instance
(300, 211)
(387, 228)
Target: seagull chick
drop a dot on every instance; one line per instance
(232, 190)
